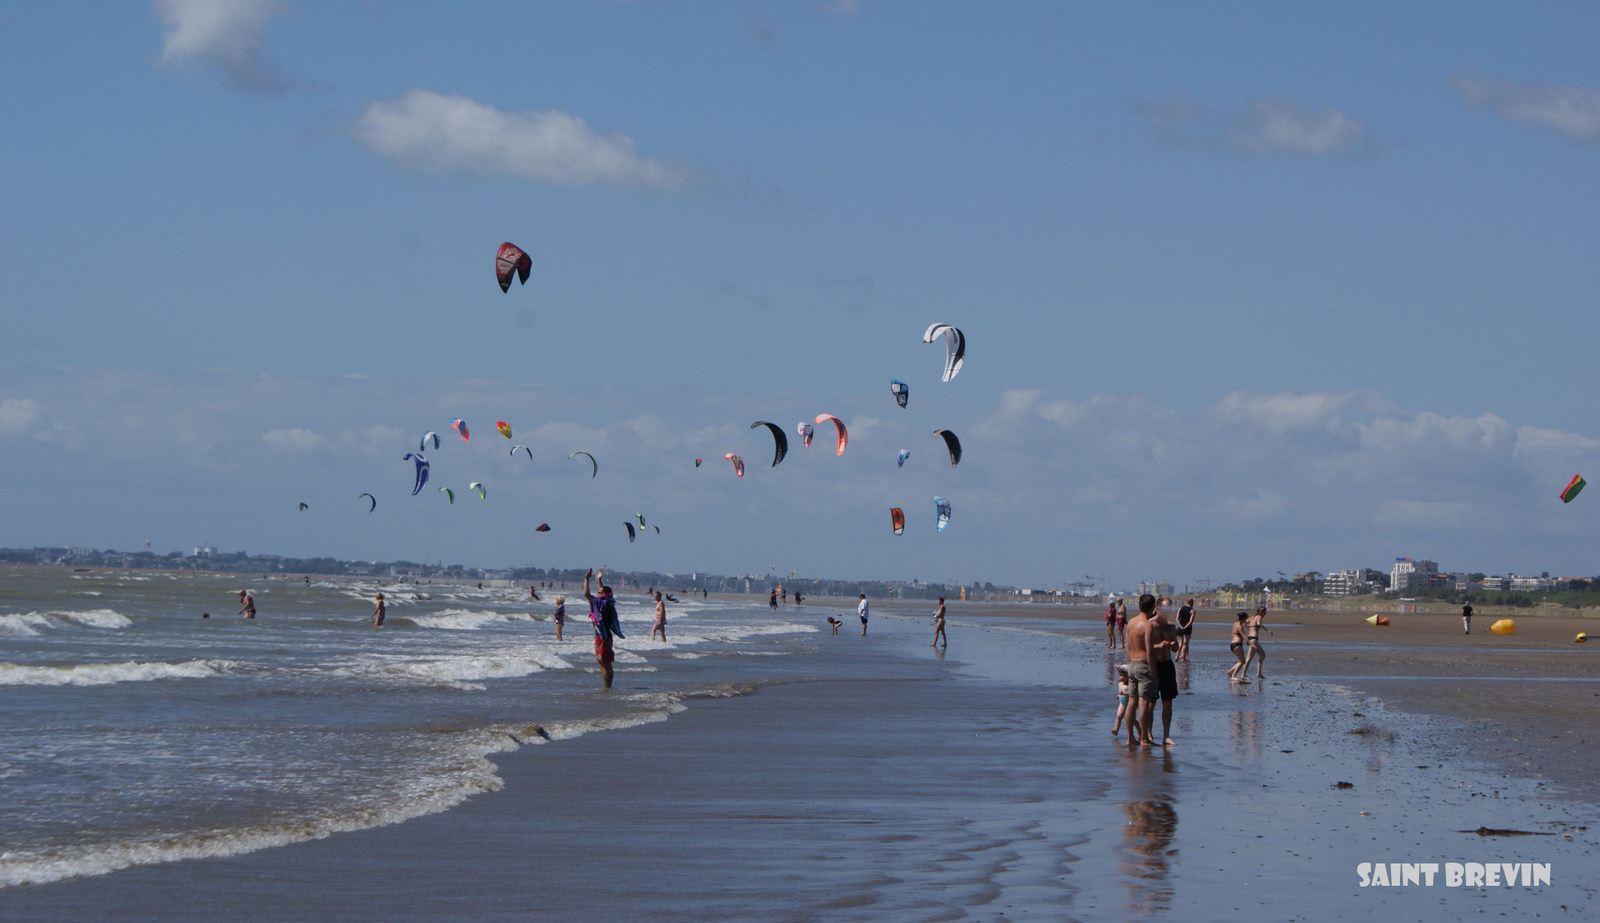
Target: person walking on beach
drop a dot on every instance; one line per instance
(1122, 623)
(1163, 638)
(1466, 619)
(378, 611)
(1111, 626)
(861, 610)
(1141, 678)
(247, 604)
(1236, 643)
(1253, 637)
(1185, 629)
(1122, 698)
(661, 619)
(603, 613)
(560, 616)
(797, 599)
(938, 626)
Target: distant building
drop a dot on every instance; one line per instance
(1494, 584)
(1408, 574)
(1529, 584)
(1345, 582)
(1160, 589)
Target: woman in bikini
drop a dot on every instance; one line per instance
(1253, 636)
(1236, 643)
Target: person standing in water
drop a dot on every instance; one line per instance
(862, 610)
(603, 613)
(1185, 628)
(938, 626)
(1254, 650)
(378, 611)
(772, 600)
(1141, 678)
(1236, 644)
(661, 619)
(1122, 623)
(247, 604)
(560, 616)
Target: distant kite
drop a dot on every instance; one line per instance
(806, 430)
(478, 486)
(422, 472)
(900, 390)
(503, 427)
(955, 347)
(460, 426)
(901, 458)
(738, 463)
(522, 448)
(698, 461)
(303, 507)
(542, 527)
(844, 436)
(780, 441)
(1575, 485)
(449, 495)
(426, 438)
(511, 262)
(592, 462)
(942, 507)
(371, 498)
(897, 518)
(951, 443)
(629, 526)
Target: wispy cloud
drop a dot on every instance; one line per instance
(1572, 111)
(226, 34)
(1264, 128)
(435, 132)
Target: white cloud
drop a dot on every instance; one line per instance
(18, 416)
(434, 132)
(225, 34)
(294, 439)
(1572, 111)
(1265, 128)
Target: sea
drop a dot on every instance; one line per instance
(143, 721)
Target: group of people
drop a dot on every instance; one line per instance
(1245, 643)
(1149, 674)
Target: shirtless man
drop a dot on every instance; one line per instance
(378, 612)
(1141, 678)
(661, 619)
(1163, 638)
(248, 604)
(938, 626)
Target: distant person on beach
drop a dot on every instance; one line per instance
(1236, 644)
(661, 619)
(247, 604)
(1185, 629)
(772, 600)
(861, 610)
(835, 623)
(560, 615)
(1466, 619)
(1122, 698)
(797, 597)
(938, 626)
(1141, 678)
(378, 612)
(1122, 623)
(1111, 626)
(1163, 638)
(533, 593)
(603, 613)
(1254, 650)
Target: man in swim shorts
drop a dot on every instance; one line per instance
(247, 604)
(661, 619)
(1163, 638)
(1141, 679)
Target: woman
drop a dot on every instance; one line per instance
(378, 612)
(1253, 637)
(1236, 643)
(560, 617)
(938, 626)
(1122, 623)
(1111, 625)
(661, 619)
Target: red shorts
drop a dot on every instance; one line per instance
(603, 651)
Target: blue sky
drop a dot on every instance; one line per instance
(1247, 287)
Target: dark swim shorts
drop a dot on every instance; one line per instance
(1141, 682)
(1167, 680)
(603, 650)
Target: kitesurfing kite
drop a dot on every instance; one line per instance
(478, 486)
(780, 441)
(806, 430)
(426, 438)
(844, 437)
(542, 527)
(503, 427)
(698, 461)
(371, 498)
(1573, 486)
(900, 390)
(951, 443)
(449, 495)
(738, 463)
(629, 526)
(460, 426)
(901, 458)
(522, 448)
(955, 347)
(897, 517)
(640, 517)
(657, 528)
(943, 507)
(422, 472)
(509, 262)
(592, 462)
(304, 507)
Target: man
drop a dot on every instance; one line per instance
(1163, 638)
(861, 610)
(603, 613)
(248, 602)
(1141, 678)
(1185, 629)
(1466, 619)
(378, 612)
(938, 626)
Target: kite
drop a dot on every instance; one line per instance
(373, 499)
(904, 454)
(478, 486)
(951, 443)
(738, 463)
(629, 526)
(591, 462)
(844, 437)
(657, 528)
(780, 441)
(509, 262)
(422, 472)
(805, 430)
(503, 427)
(542, 527)
(640, 517)
(897, 518)
(460, 426)
(955, 347)
(426, 438)
(304, 507)
(943, 507)
(698, 461)
(449, 495)
(900, 390)
(1572, 488)
(523, 448)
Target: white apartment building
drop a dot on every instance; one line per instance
(1345, 582)
(1407, 574)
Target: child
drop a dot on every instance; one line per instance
(1122, 697)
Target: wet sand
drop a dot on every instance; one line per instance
(876, 780)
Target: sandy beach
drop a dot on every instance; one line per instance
(876, 779)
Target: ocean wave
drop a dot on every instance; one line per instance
(102, 674)
(470, 668)
(462, 619)
(28, 623)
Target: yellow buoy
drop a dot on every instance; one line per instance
(1504, 627)
(1581, 637)
(1376, 619)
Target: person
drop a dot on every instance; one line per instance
(861, 610)
(1122, 623)
(1236, 643)
(783, 593)
(797, 599)
(1163, 638)
(1253, 647)
(1111, 625)
(938, 626)
(378, 611)
(1141, 678)
(1185, 629)
(1122, 698)
(534, 592)
(661, 619)
(835, 623)
(560, 616)
(248, 604)
(772, 600)
(603, 613)
(1466, 619)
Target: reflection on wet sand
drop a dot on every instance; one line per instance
(1244, 730)
(1147, 847)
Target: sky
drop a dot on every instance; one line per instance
(1246, 287)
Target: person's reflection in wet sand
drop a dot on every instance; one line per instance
(1244, 729)
(1146, 854)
